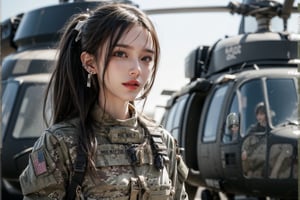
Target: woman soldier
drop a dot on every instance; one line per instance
(99, 146)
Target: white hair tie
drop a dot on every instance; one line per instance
(78, 28)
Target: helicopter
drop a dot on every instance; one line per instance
(233, 83)
(30, 53)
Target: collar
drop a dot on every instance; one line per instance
(104, 118)
(127, 131)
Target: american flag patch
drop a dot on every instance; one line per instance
(39, 163)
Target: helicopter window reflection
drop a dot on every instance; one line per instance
(30, 117)
(214, 111)
(282, 110)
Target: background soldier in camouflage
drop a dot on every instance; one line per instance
(233, 125)
(107, 60)
(261, 117)
(254, 155)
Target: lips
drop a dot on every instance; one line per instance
(132, 85)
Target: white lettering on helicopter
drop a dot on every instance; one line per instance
(232, 51)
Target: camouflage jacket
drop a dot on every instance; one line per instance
(117, 176)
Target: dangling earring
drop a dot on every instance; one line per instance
(89, 80)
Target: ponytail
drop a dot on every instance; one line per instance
(70, 96)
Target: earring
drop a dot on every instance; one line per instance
(89, 80)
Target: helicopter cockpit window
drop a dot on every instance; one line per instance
(283, 111)
(214, 111)
(253, 125)
(232, 125)
(271, 110)
(8, 100)
(174, 123)
(252, 100)
(30, 118)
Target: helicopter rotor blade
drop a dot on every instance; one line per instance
(287, 8)
(176, 10)
(232, 7)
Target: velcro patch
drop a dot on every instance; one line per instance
(39, 162)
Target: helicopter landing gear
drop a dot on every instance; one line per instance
(209, 195)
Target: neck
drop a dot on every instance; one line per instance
(117, 111)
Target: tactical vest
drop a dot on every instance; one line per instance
(131, 164)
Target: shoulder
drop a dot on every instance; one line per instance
(155, 128)
(64, 128)
(50, 161)
(252, 128)
(63, 132)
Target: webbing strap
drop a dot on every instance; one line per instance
(78, 174)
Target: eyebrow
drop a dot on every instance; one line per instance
(130, 47)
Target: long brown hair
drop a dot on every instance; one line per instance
(102, 28)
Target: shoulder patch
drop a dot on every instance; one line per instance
(39, 162)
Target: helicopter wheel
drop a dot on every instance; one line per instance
(209, 195)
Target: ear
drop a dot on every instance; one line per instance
(89, 62)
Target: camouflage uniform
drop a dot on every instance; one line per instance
(254, 155)
(281, 161)
(116, 177)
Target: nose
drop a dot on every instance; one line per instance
(135, 69)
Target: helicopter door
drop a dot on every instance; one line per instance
(230, 148)
(208, 149)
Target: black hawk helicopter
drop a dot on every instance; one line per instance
(28, 52)
(238, 117)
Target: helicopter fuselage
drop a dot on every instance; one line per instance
(240, 73)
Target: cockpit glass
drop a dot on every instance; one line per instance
(251, 97)
(9, 92)
(283, 102)
(281, 96)
(29, 122)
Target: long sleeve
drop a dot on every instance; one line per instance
(46, 175)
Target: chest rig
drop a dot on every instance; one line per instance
(142, 149)
(159, 153)
(142, 145)
(136, 143)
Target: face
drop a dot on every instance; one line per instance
(234, 128)
(261, 118)
(129, 67)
